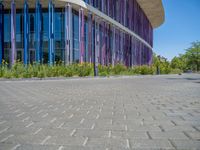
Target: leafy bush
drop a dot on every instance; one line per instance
(2, 71)
(68, 72)
(165, 68)
(84, 69)
(8, 74)
(19, 70)
(103, 74)
(104, 70)
(143, 70)
(118, 69)
(41, 74)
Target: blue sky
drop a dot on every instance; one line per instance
(181, 27)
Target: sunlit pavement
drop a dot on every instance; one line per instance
(142, 112)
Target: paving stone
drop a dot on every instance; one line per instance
(139, 113)
(108, 142)
(194, 135)
(91, 133)
(187, 144)
(71, 141)
(167, 135)
(130, 135)
(151, 144)
(37, 147)
(178, 128)
(144, 128)
(5, 146)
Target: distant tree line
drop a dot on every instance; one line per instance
(189, 61)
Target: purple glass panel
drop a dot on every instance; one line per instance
(103, 48)
(90, 37)
(13, 33)
(128, 50)
(113, 47)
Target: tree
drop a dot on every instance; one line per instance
(161, 64)
(193, 56)
(179, 62)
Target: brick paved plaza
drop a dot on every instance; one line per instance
(145, 112)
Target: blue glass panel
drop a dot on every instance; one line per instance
(59, 36)
(75, 22)
(86, 41)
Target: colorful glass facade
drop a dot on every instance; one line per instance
(73, 34)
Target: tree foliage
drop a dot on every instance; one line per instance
(179, 62)
(193, 56)
(188, 61)
(161, 64)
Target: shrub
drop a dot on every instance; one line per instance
(8, 74)
(136, 70)
(2, 71)
(84, 70)
(165, 69)
(118, 69)
(27, 74)
(103, 74)
(68, 72)
(17, 70)
(145, 70)
(104, 70)
(41, 74)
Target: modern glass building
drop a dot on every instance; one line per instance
(103, 31)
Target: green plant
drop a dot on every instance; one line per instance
(118, 69)
(103, 74)
(41, 74)
(105, 70)
(2, 71)
(8, 74)
(84, 70)
(68, 72)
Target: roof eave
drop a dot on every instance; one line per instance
(154, 11)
